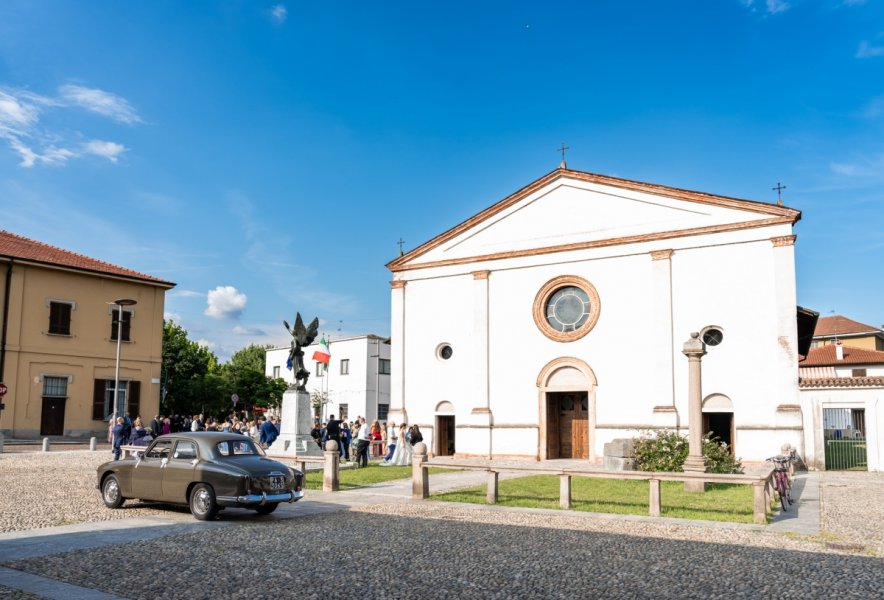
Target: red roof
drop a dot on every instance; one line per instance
(22, 248)
(838, 325)
(825, 356)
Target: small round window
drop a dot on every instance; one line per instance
(566, 308)
(712, 336)
(444, 351)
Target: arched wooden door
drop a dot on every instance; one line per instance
(568, 425)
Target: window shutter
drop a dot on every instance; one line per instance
(127, 325)
(98, 400)
(134, 399)
(60, 318)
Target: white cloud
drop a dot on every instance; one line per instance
(225, 302)
(20, 125)
(771, 6)
(207, 344)
(108, 150)
(101, 102)
(870, 168)
(187, 294)
(279, 13)
(170, 316)
(866, 50)
(253, 331)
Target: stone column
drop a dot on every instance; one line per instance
(694, 349)
(330, 482)
(420, 480)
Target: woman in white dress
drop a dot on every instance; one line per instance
(402, 454)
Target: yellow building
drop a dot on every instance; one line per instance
(830, 330)
(58, 340)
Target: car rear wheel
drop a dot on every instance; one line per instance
(266, 509)
(202, 502)
(110, 492)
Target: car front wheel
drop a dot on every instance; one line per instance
(266, 509)
(202, 502)
(110, 492)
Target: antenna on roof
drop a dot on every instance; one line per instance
(563, 164)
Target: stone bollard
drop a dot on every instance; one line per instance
(93, 444)
(1, 443)
(45, 444)
(420, 480)
(786, 450)
(330, 480)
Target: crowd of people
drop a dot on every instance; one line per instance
(359, 438)
(356, 440)
(126, 431)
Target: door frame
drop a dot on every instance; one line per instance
(59, 401)
(565, 374)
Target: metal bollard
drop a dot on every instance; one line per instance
(45, 444)
(93, 444)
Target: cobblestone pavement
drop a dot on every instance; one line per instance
(435, 550)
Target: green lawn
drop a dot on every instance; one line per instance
(722, 502)
(355, 478)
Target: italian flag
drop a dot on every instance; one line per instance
(322, 354)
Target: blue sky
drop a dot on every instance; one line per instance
(266, 156)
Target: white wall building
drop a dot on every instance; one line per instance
(357, 380)
(553, 321)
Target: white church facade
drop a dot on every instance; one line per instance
(553, 321)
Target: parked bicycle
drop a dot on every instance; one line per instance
(781, 478)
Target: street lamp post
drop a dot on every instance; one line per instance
(119, 304)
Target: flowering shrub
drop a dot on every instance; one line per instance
(667, 450)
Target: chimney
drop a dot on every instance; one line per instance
(839, 350)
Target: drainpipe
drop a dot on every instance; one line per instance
(5, 317)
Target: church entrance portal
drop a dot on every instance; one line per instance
(568, 424)
(445, 433)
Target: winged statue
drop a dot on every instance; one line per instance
(301, 336)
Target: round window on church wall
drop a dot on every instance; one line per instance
(566, 308)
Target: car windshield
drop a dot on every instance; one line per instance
(233, 448)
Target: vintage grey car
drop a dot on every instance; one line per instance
(207, 471)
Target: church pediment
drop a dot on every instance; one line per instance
(570, 209)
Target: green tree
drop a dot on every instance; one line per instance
(184, 372)
(244, 376)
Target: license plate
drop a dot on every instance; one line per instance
(277, 483)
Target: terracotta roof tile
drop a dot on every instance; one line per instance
(22, 248)
(838, 325)
(825, 356)
(841, 382)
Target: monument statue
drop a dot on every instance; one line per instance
(301, 336)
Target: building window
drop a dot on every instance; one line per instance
(383, 411)
(128, 399)
(345, 366)
(345, 411)
(320, 369)
(384, 366)
(55, 387)
(276, 372)
(127, 324)
(858, 373)
(566, 308)
(444, 351)
(60, 318)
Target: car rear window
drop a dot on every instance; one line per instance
(244, 447)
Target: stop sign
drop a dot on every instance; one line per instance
(3, 389)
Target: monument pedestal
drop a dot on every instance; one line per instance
(296, 421)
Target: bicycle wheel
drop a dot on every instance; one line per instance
(781, 490)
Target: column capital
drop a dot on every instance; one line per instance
(783, 240)
(694, 347)
(398, 284)
(481, 274)
(661, 254)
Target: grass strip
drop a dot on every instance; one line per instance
(350, 479)
(721, 502)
